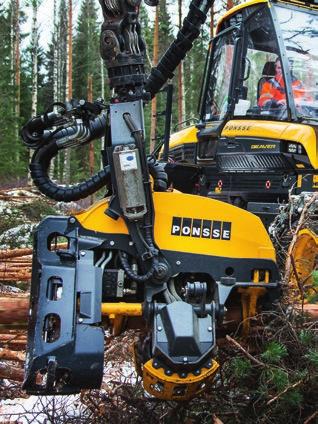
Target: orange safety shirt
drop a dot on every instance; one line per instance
(274, 89)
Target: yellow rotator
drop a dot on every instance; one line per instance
(175, 387)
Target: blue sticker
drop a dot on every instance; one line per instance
(129, 157)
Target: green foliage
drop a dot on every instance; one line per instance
(315, 278)
(9, 221)
(274, 352)
(306, 337)
(312, 298)
(312, 356)
(293, 398)
(7, 99)
(194, 64)
(86, 55)
(240, 367)
(37, 210)
(275, 378)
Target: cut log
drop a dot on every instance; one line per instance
(311, 309)
(15, 252)
(15, 276)
(11, 355)
(12, 338)
(11, 373)
(13, 309)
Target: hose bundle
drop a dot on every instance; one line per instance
(190, 30)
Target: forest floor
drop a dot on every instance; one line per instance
(270, 377)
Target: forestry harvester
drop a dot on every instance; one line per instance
(173, 265)
(256, 141)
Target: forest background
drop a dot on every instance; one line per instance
(49, 52)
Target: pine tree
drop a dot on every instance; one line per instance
(15, 93)
(87, 67)
(7, 119)
(61, 41)
(193, 70)
(165, 39)
(86, 54)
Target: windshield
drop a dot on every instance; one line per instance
(300, 33)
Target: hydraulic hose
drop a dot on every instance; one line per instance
(158, 173)
(48, 144)
(131, 274)
(39, 173)
(190, 30)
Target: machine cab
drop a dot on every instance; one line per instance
(263, 64)
(260, 91)
(257, 136)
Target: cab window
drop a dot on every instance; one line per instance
(217, 95)
(260, 62)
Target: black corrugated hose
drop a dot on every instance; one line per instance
(190, 30)
(39, 173)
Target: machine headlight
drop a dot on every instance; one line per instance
(294, 148)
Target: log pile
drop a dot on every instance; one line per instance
(18, 195)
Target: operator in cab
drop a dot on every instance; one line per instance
(273, 94)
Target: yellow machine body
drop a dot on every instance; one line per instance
(272, 130)
(249, 238)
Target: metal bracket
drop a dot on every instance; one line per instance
(120, 132)
(64, 315)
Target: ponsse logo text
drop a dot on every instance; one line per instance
(204, 228)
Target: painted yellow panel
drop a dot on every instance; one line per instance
(237, 9)
(303, 134)
(299, 181)
(188, 135)
(94, 219)
(249, 238)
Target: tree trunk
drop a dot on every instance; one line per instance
(70, 51)
(91, 145)
(212, 21)
(55, 75)
(34, 58)
(69, 88)
(17, 72)
(153, 129)
(102, 76)
(181, 99)
(91, 158)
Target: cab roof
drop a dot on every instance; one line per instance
(313, 4)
